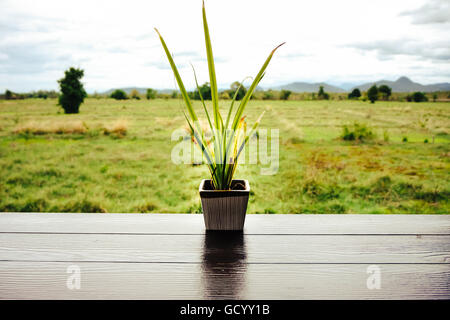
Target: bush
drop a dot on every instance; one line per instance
(372, 94)
(268, 95)
(8, 95)
(72, 90)
(119, 95)
(235, 86)
(285, 94)
(385, 92)
(205, 90)
(134, 94)
(355, 94)
(359, 132)
(419, 97)
(151, 93)
(224, 95)
(322, 94)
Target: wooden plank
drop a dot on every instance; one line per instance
(251, 248)
(47, 280)
(255, 224)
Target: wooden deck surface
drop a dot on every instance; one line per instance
(170, 256)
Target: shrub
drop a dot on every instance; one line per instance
(134, 94)
(72, 90)
(359, 132)
(225, 95)
(8, 95)
(151, 93)
(322, 94)
(285, 94)
(56, 127)
(405, 139)
(118, 128)
(385, 92)
(205, 91)
(239, 87)
(372, 94)
(419, 97)
(268, 95)
(355, 94)
(119, 95)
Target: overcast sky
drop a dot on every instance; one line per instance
(346, 41)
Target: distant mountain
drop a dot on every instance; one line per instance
(309, 87)
(404, 84)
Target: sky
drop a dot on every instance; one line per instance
(338, 42)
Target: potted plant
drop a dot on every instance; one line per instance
(224, 200)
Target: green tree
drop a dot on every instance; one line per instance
(119, 95)
(234, 87)
(205, 90)
(322, 94)
(284, 95)
(8, 94)
(355, 94)
(72, 90)
(419, 97)
(385, 91)
(151, 93)
(372, 94)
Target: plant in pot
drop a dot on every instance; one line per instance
(224, 199)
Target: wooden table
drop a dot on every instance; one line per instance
(169, 256)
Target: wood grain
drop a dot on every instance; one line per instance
(47, 280)
(255, 223)
(156, 256)
(256, 248)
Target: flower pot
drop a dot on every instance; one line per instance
(224, 209)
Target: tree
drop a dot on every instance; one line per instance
(8, 95)
(284, 95)
(205, 90)
(119, 95)
(322, 94)
(419, 97)
(372, 94)
(234, 87)
(72, 90)
(151, 93)
(385, 91)
(355, 94)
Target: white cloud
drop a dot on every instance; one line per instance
(115, 43)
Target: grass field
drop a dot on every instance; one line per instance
(115, 156)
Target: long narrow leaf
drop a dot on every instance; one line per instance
(212, 72)
(178, 78)
(252, 88)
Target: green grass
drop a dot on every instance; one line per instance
(99, 171)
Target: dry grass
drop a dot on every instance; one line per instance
(46, 127)
(118, 127)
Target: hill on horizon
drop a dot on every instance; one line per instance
(402, 84)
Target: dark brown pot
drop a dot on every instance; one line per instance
(224, 209)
